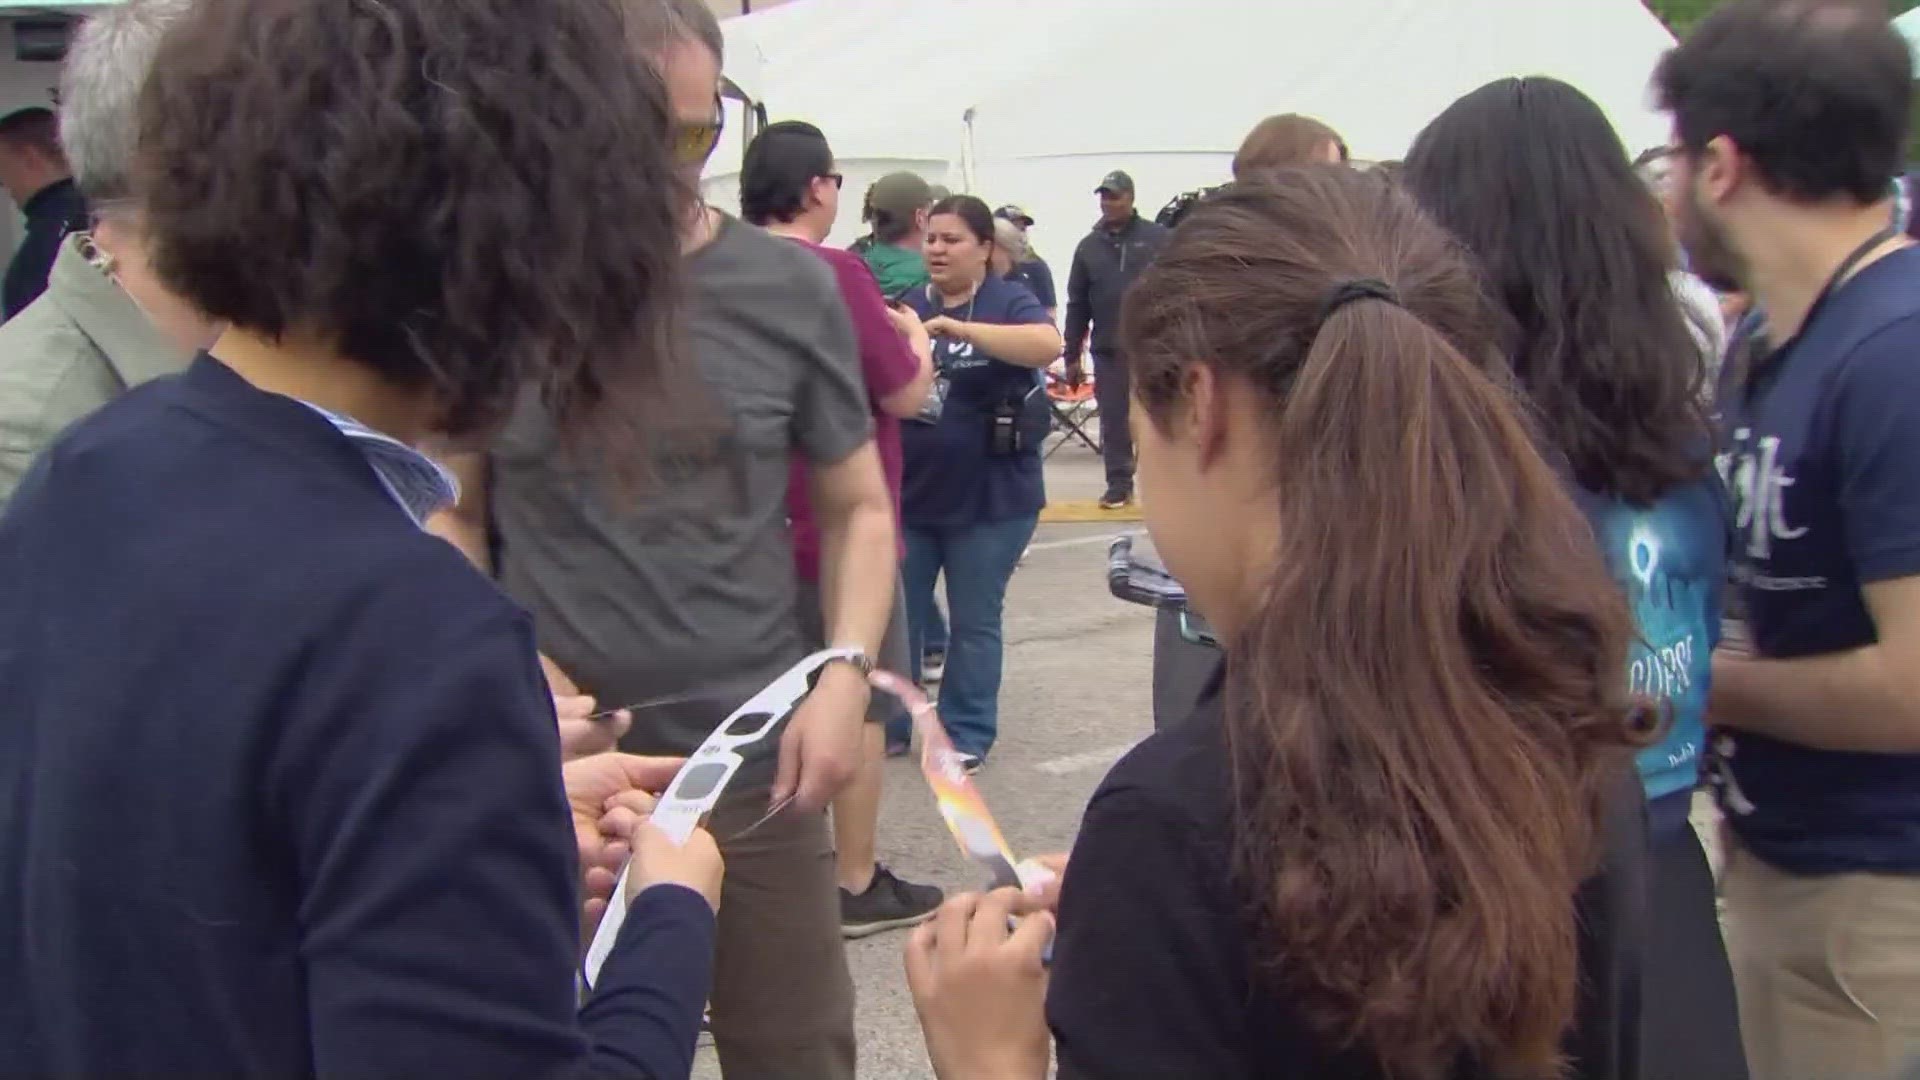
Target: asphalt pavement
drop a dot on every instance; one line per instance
(1076, 695)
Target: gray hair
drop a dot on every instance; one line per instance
(1010, 239)
(106, 67)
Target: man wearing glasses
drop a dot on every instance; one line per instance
(680, 598)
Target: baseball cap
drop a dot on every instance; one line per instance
(899, 196)
(1015, 214)
(1117, 182)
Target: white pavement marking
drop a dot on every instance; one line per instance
(1086, 759)
(1083, 541)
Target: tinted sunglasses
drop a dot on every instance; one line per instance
(693, 144)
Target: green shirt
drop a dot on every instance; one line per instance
(896, 268)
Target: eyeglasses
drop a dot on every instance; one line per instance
(693, 143)
(839, 181)
(697, 787)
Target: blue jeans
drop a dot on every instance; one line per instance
(936, 631)
(978, 561)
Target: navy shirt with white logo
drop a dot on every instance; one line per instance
(950, 479)
(1823, 463)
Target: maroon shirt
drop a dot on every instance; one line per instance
(887, 364)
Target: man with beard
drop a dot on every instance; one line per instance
(1789, 119)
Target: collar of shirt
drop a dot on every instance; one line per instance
(417, 482)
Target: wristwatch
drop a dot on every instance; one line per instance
(850, 655)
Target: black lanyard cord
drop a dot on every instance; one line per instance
(1764, 364)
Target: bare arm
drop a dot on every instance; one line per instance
(856, 537)
(1033, 345)
(821, 750)
(1865, 700)
(904, 403)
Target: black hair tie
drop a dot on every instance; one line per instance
(1358, 289)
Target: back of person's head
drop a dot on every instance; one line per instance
(1427, 699)
(107, 64)
(778, 171)
(1529, 174)
(896, 206)
(1282, 142)
(1814, 93)
(427, 188)
(32, 130)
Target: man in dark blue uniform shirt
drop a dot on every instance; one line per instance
(1789, 121)
(34, 171)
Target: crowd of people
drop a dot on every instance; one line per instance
(404, 470)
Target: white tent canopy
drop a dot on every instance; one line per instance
(1032, 101)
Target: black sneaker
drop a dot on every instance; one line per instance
(888, 904)
(973, 763)
(1116, 498)
(933, 666)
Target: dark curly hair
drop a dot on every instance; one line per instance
(1530, 176)
(471, 199)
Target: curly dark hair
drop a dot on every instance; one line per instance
(1816, 94)
(1530, 176)
(471, 199)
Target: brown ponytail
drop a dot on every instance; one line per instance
(1425, 711)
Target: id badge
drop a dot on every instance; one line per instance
(936, 404)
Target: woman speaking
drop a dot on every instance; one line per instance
(973, 488)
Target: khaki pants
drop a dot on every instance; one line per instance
(1827, 969)
(782, 995)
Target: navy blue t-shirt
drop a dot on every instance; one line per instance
(1037, 276)
(1823, 462)
(950, 478)
(1670, 559)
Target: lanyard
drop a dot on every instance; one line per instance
(1765, 366)
(942, 355)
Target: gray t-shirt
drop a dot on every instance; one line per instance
(687, 591)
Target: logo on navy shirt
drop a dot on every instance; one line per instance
(1759, 485)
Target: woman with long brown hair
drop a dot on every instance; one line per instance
(1399, 835)
(1599, 340)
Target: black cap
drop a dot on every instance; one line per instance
(1015, 214)
(1117, 182)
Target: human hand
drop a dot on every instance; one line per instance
(906, 322)
(596, 787)
(942, 326)
(820, 750)
(1075, 372)
(981, 988)
(582, 732)
(558, 684)
(657, 860)
(1043, 895)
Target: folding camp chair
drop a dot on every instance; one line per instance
(1073, 407)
